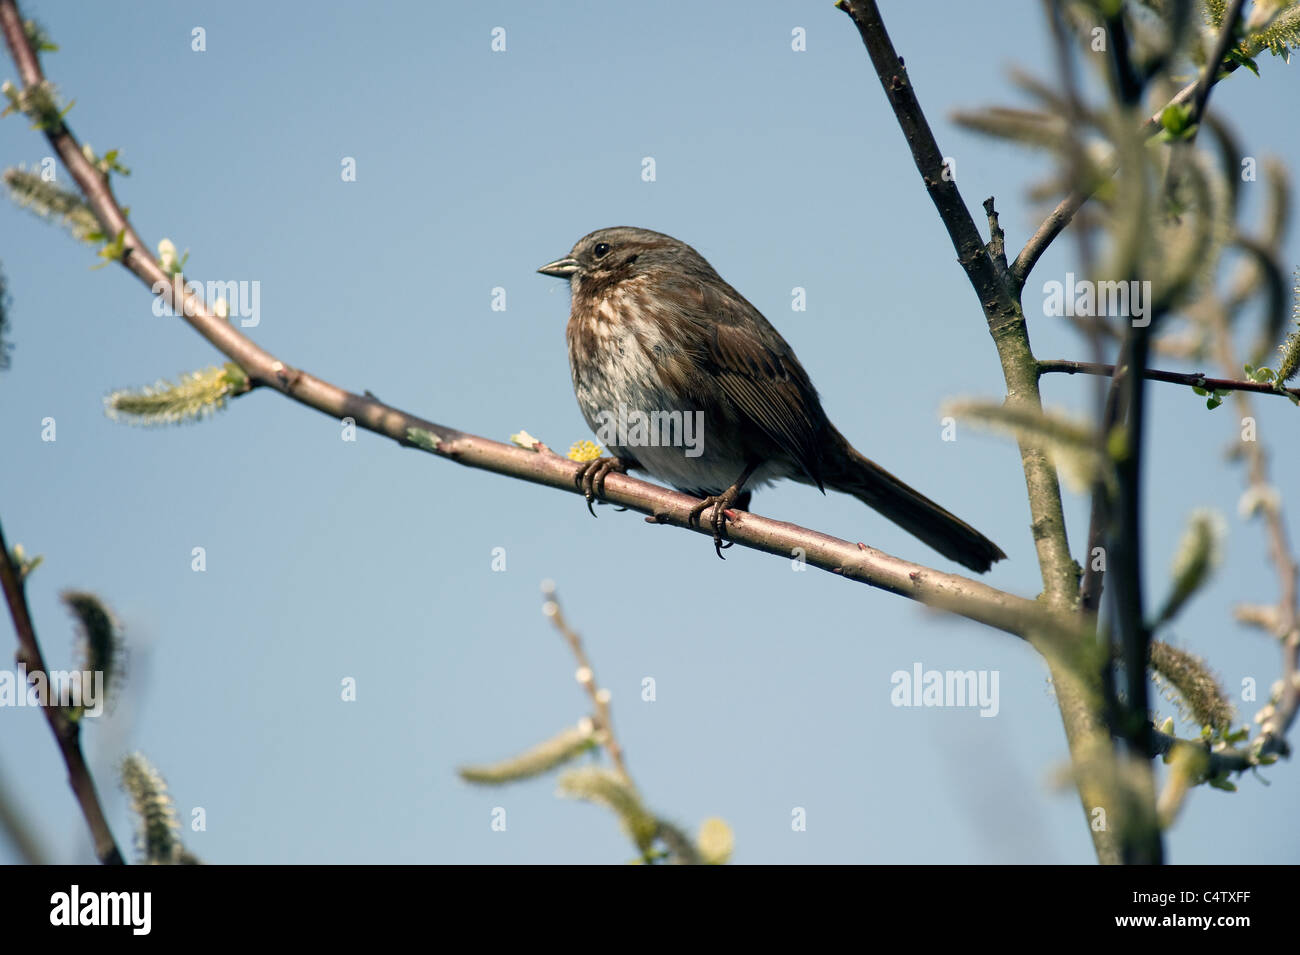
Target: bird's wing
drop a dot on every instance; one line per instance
(756, 368)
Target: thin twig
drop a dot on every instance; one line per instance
(1106, 397)
(1128, 83)
(1075, 162)
(1285, 617)
(587, 677)
(1094, 574)
(67, 732)
(1227, 30)
(1193, 379)
(1065, 210)
(1142, 841)
(997, 246)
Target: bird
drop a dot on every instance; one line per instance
(655, 335)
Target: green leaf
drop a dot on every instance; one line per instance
(108, 163)
(113, 251)
(1222, 782)
(1241, 59)
(1176, 118)
(38, 38)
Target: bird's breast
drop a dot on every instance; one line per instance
(643, 397)
(616, 357)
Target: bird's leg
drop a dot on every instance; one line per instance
(720, 503)
(591, 477)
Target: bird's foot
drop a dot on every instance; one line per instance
(591, 478)
(720, 503)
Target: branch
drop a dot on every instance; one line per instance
(1215, 63)
(1192, 379)
(1143, 844)
(1284, 619)
(960, 595)
(1065, 210)
(1126, 539)
(1128, 84)
(1090, 590)
(999, 298)
(1219, 762)
(614, 788)
(66, 731)
(942, 186)
(587, 677)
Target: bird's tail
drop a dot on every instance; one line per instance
(911, 510)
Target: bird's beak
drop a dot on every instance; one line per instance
(561, 268)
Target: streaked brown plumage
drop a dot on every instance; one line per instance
(654, 328)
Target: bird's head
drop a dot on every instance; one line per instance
(608, 257)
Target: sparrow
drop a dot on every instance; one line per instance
(655, 335)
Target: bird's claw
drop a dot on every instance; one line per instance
(591, 478)
(718, 520)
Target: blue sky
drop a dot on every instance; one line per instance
(328, 559)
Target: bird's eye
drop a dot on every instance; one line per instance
(601, 250)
